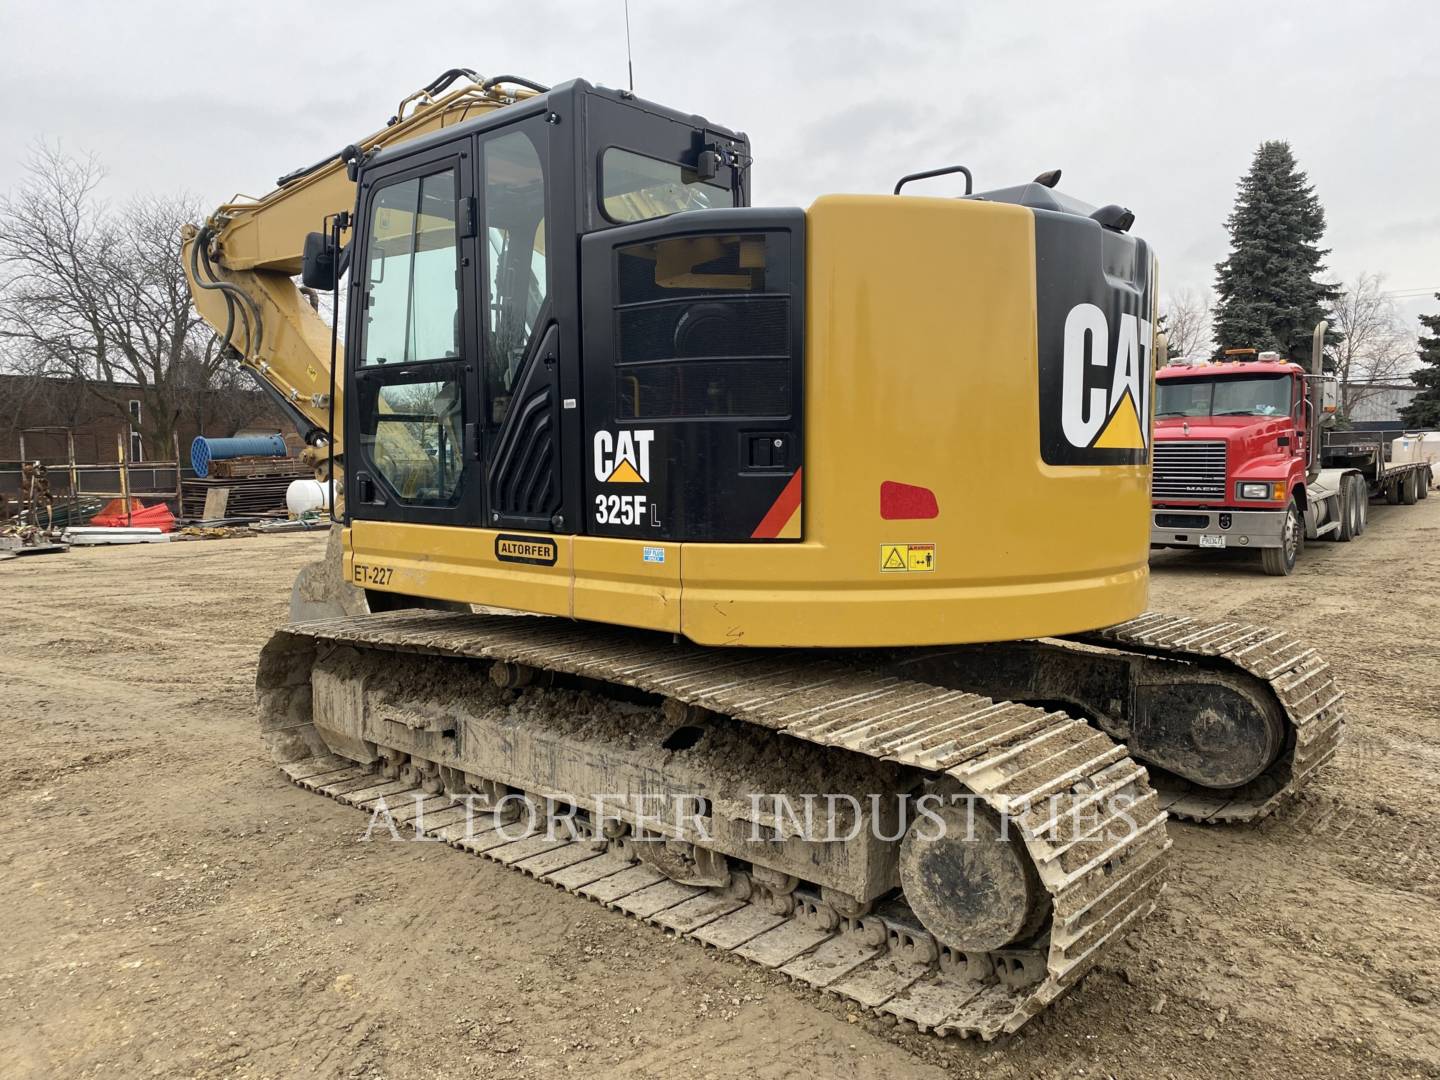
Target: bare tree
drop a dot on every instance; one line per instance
(1377, 348)
(98, 296)
(1188, 323)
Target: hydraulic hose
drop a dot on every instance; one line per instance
(208, 280)
(445, 78)
(494, 81)
(249, 310)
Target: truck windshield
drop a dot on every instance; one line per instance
(1234, 395)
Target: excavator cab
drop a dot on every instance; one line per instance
(465, 301)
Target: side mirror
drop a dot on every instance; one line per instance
(707, 165)
(1329, 396)
(318, 268)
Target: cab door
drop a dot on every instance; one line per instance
(413, 348)
(521, 337)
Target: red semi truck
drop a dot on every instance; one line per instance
(1244, 457)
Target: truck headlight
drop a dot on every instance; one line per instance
(1254, 491)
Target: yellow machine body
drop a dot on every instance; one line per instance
(921, 368)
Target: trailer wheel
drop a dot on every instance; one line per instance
(1425, 481)
(1392, 492)
(1410, 487)
(1349, 510)
(1280, 561)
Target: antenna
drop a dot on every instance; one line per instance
(629, 62)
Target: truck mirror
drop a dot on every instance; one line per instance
(317, 270)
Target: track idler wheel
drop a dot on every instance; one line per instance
(1208, 731)
(970, 884)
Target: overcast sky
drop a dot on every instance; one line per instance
(1158, 106)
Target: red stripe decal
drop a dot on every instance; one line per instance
(785, 505)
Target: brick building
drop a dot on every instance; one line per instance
(41, 415)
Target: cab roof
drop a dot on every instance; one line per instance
(1228, 367)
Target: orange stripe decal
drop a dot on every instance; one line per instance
(783, 509)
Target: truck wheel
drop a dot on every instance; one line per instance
(1280, 561)
(1392, 492)
(1349, 510)
(1362, 505)
(1410, 487)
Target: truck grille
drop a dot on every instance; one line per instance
(1185, 469)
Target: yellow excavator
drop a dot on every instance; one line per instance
(820, 535)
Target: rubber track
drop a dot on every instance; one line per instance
(1301, 681)
(1021, 760)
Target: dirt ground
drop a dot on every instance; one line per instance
(173, 907)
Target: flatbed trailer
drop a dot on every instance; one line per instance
(1372, 455)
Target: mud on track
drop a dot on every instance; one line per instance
(177, 908)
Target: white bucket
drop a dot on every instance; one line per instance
(304, 496)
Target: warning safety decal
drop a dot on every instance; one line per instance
(907, 558)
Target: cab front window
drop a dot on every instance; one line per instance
(1235, 395)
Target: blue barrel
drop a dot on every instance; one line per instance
(203, 450)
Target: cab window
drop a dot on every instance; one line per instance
(515, 262)
(414, 441)
(636, 188)
(411, 398)
(412, 295)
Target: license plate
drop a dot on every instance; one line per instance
(1211, 541)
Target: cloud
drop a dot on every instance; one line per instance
(1157, 106)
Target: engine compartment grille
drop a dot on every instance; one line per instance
(1188, 469)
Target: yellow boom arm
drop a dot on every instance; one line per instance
(241, 263)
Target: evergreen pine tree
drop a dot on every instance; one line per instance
(1269, 297)
(1424, 409)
